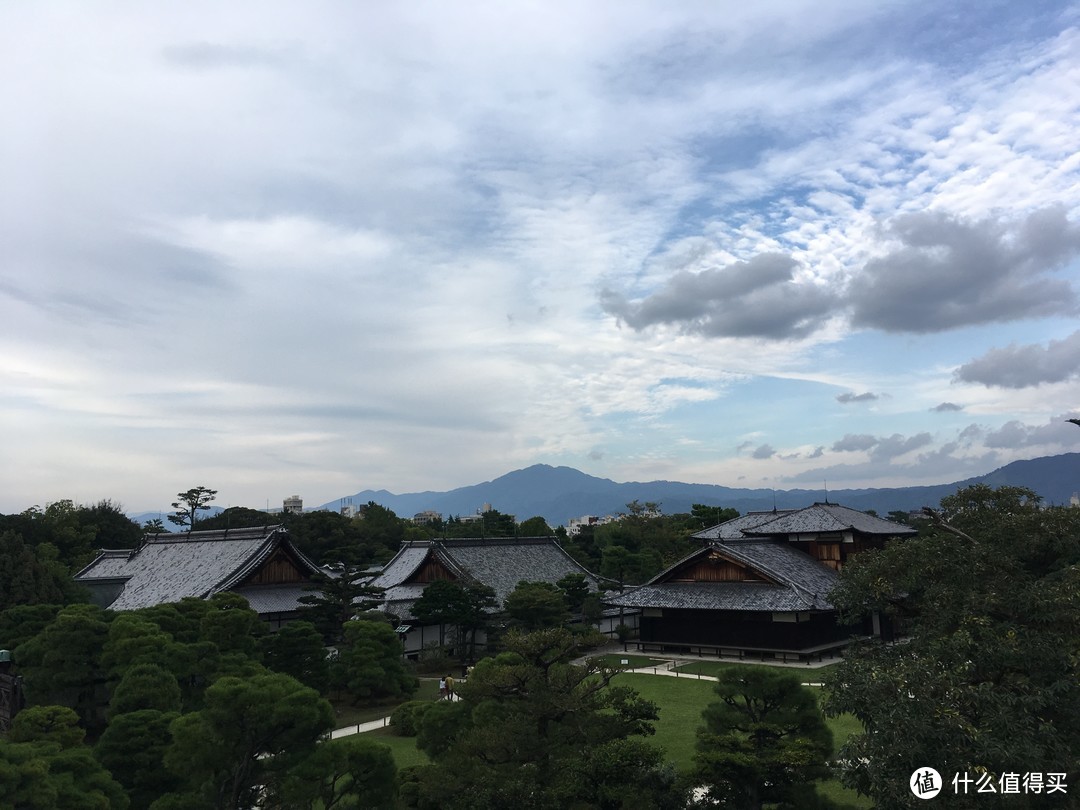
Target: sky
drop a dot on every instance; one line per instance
(315, 248)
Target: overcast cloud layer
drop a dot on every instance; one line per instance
(315, 248)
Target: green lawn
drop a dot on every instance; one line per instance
(403, 748)
(681, 701)
(346, 714)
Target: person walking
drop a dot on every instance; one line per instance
(442, 688)
(449, 687)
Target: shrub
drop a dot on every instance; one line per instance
(406, 718)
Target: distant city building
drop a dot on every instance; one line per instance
(295, 505)
(426, 517)
(574, 525)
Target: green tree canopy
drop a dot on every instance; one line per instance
(188, 505)
(348, 772)
(62, 664)
(537, 605)
(370, 662)
(297, 649)
(989, 678)
(333, 601)
(24, 578)
(535, 527)
(466, 607)
(133, 748)
(146, 686)
(45, 776)
(575, 588)
(55, 724)
(534, 731)
(764, 742)
(248, 728)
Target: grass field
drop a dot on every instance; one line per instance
(403, 748)
(681, 701)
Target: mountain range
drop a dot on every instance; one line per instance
(560, 493)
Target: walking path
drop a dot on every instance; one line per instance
(361, 728)
(668, 668)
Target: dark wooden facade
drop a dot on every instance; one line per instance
(716, 567)
(431, 570)
(672, 629)
(281, 569)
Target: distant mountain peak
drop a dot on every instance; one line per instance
(560, 493)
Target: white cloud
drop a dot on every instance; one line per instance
(1024, 366)
(337, 247)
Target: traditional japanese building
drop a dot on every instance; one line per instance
(261, 564)
(760, 585)
(499, 563)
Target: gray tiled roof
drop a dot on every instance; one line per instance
(168, 567)
(801, 582)
(714, 596)
(793, 568)
(274, 598)
(403, 565)
(734, 528)
(498, 563)
(819, 518)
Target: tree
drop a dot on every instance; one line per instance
(248, 729)
(464, 607)
(134, 639)
(133, 748)
(330, 537)
(534, 731)
(537, 605)
(348, 772)
(764, 741)
(62, 665)
(334, 600)
(110, 526)
(55, 724)
(24, 579)
(297, 649)
(535, 527)
(575, 589)
(42, 775)
(22, 622)
(239, 517)
(189, 504)
(989, 680)
(370, 662)
(231, 624)
(146, 686)
(45, 765)
(706, 516)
